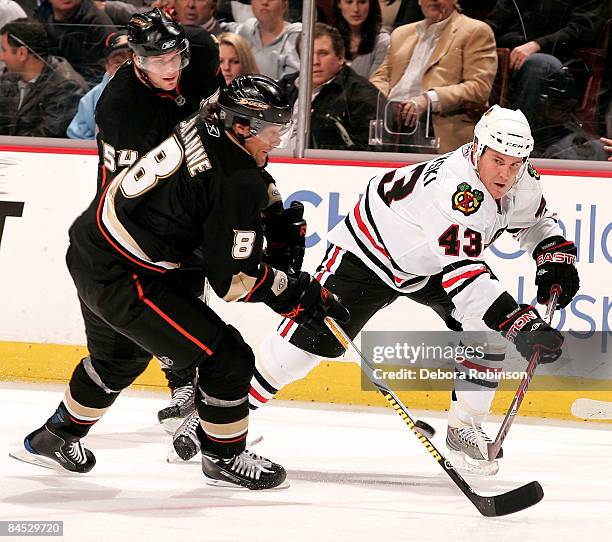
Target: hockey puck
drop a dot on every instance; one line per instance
(426, 430)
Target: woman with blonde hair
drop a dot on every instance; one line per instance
(235, 57)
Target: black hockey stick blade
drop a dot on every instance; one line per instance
(508, 503)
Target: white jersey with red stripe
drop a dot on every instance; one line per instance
(438, 217)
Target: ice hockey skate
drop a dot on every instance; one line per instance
(247, 470)
(185, 441)
(182, 404)
(465, 454)
(53, 448)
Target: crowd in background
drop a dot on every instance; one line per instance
(424, 69)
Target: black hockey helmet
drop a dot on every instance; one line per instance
(259, 102)
(155, 33)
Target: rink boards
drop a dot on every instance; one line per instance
(41, 330)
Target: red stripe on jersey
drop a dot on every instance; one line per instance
(287, 328)
(468, 274)
(167, 318)
(332, 260)
(257, 395)
(113, 244)
(266, 271)
(365, 231)
(472, 365)
(103, 182)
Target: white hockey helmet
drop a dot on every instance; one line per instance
(504, 130)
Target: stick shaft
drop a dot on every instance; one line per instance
(494, 447)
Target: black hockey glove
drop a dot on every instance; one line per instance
(307, 303)
(556, 258)
(525, 328)
(285, 231)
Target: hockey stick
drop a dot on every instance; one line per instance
(492, 448)
(591, 409)
(497, 505)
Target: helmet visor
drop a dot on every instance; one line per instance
(275, 135)
(166, 63)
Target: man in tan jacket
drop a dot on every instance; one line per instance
(441, 62)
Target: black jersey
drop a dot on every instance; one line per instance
(198, 188)
(133, 117)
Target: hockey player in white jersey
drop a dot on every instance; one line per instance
(420, 232)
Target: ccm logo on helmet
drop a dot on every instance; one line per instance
(168, 44)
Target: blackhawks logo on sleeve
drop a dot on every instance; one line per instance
(533, 172)
(466, 199)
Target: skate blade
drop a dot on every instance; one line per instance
(170, 425)
(38, 460)
(468, 465)
(229, 485)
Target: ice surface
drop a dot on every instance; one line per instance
(356, 475)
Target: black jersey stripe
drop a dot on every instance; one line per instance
(368, 254)
(264, 383)
(462, 263)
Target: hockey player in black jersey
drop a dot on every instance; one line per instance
(172, 69)
(201, 187)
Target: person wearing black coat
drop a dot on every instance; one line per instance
(542, 36)
(78, 35)
(39, 93)
(343, 102)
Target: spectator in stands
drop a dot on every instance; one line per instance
(397, 13)
(439, 64)
(120, 12)
(237, 11)
(77, 31)
(9, 11)
(39, 92)
(541, 36)
(343, 103)
(83, 125)
(558, 133)
(271, 38)
(198, 13)
(365, 43)
(235, 57)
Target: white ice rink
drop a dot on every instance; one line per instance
(355, 476)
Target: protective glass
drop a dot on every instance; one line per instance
(166, 63)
